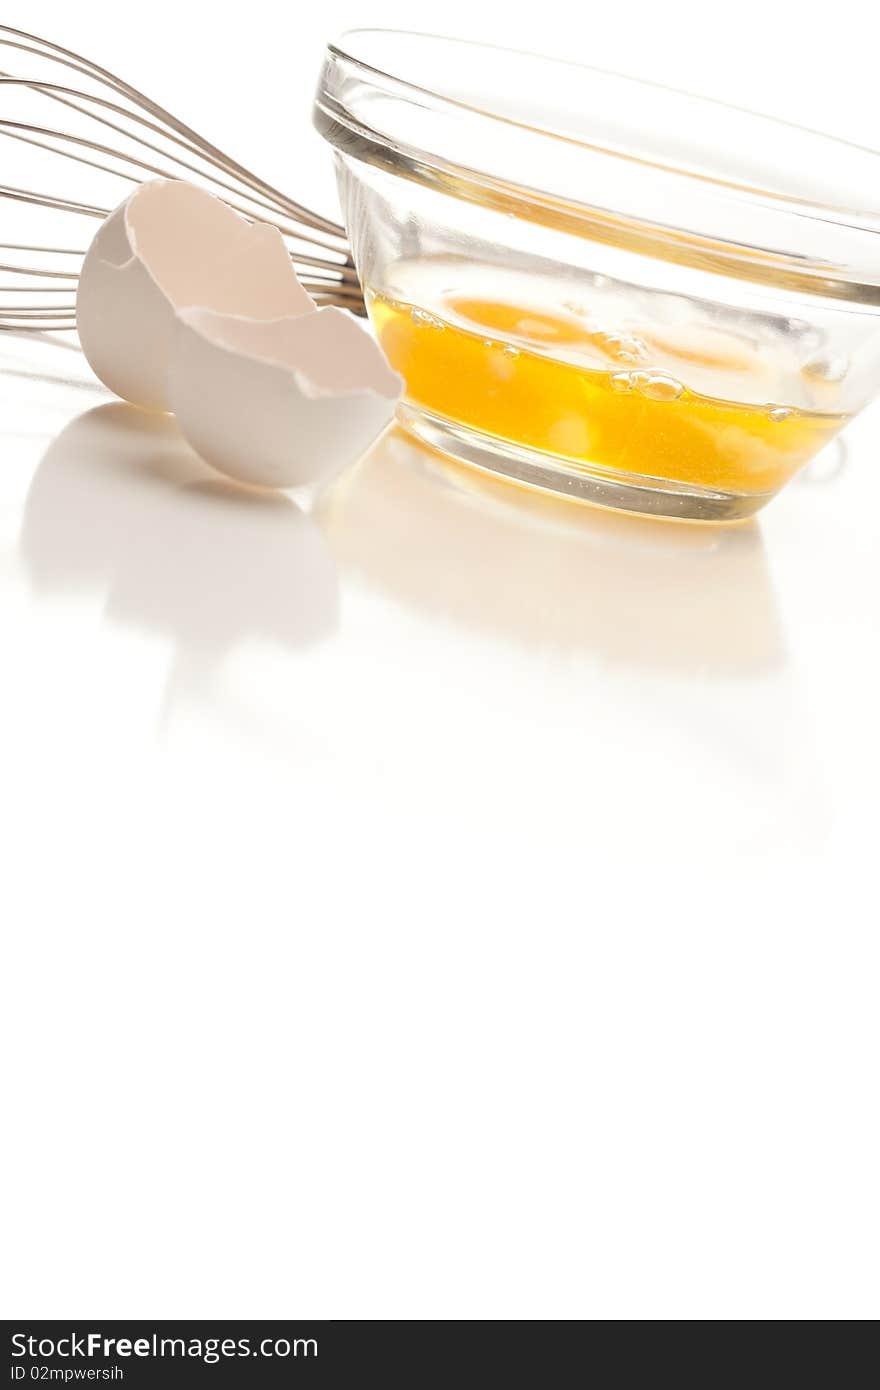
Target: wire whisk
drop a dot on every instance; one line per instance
(113, 138)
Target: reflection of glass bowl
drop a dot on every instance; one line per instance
(464, 546)
(599, 286)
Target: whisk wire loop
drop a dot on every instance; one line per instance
(316, 244)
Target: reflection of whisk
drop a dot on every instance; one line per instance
(86, 177)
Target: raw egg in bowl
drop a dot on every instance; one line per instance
(599, 286)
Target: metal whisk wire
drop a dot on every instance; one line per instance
(150, 143)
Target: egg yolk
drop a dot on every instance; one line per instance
(491, 366)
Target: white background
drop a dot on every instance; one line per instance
(437, 906)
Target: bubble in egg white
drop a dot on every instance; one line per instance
(624, 347)
(657, 386)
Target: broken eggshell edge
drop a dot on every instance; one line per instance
(282, 402)
(169, 246)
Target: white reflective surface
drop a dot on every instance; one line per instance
(425, 900)
(431, 867)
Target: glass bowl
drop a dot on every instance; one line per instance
(599, 286)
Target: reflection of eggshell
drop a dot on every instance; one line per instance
(279, 403)
(168, 247)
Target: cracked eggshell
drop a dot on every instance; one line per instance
(279, 403)
(169, 246)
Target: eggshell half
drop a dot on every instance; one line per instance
(169, 246)
(279, 403)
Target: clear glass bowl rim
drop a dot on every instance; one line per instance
(855, 217)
